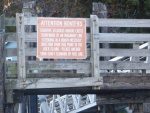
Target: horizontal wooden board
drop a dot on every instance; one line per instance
(62, 74)
(124, 52)
(33, 83)
(123, 65)
(102, 22)
(123, 74)
(84, 66)
(56, 75)
(32, 37)
(123, 37)
(33, 21)
(124, 22)
(10, 21)
(104, 83)
(103, 37)
(80, 67)
(106, 22)
(122, 82)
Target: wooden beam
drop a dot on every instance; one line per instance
(123, 37)
(84, 66)
(103, 37)
(106, 84)
(106, 22)
(2, 76)
(80, 67)
(20, 45)
(126, 82)
(124, 52)
(33, 21)
(103, 52)
(94, 46)
(125, 97)
(34, 83)
(124, 74)
(124, 22)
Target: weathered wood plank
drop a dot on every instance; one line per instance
(124, 52)
(105, 22)
(33, 21)
(84, 66)
(124, 74)
(54, 75)
(10, 37)
(123, 65)
(94, 46)
(2, 76)
(20, 28)
(126, 82)
(10, 21)
(124, 22)
(81, 67)
(105, 83)
(34, 83)
(123, 37)
(124, 97)
(103, 37)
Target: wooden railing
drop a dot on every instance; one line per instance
(30, 72)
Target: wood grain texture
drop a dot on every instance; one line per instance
(81, 67)
(102, 37)
(123, 37)
(123, 65)
(126, 82)
(52, 83)
(124, 22)
(124, 52)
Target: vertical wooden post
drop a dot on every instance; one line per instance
(133, 58)
(21, 55)
(148, 58)
(100, 10)
(94, 45)
(28, 9)
(20, 46)
(2, 67)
